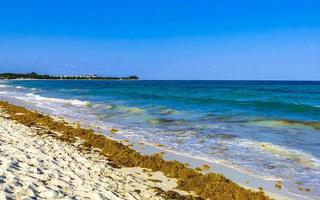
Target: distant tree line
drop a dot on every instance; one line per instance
(34, 75)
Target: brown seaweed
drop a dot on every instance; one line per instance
(206, 186)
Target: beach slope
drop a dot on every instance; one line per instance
(34, 166)
(41, 157)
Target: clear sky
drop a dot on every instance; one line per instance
(163, 39)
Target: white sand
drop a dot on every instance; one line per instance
(40, 167)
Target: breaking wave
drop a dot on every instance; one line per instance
(73, 102)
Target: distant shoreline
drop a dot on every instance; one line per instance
(35, 76)
(70, 79)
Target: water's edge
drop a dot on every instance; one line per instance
(76, 105)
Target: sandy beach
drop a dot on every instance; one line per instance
(41, 159)
(41, 167)
(38, 162)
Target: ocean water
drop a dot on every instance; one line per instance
(268, 129)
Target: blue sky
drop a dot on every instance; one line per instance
(162, 39)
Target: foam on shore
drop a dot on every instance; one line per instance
(73, 102)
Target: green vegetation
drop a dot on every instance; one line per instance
(205, 186)
(34, 75)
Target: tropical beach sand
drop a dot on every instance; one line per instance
(34, 166)
(37, 163)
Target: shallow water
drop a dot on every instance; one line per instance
(268, 129)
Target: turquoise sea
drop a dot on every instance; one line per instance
(269, 129)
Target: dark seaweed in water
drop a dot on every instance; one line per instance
(222, 136)
(313, 124)
(160, 121)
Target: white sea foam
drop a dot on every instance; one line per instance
(4, 92)
(73, 102)
(4, 86)
(297, 156)
(37, 98)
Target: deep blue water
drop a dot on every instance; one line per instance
(268, 129)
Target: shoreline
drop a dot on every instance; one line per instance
(35, 165)
(58, 170)
(17, 79)
(243, 178)
(222, 188)
(69, 80)
(238, 176)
